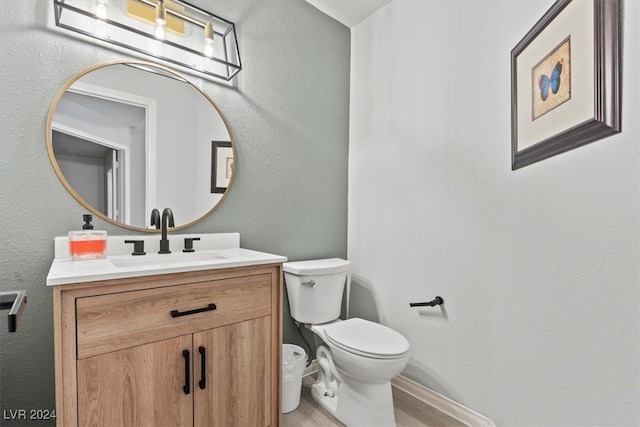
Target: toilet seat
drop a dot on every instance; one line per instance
(367, 339)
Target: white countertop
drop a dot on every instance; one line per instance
(213, 251)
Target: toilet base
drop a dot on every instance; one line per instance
(352, 402)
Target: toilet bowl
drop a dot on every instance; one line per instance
(356, 358)
(364, 350)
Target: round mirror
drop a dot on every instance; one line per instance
(126, 138)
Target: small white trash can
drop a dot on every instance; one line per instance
(294, 361)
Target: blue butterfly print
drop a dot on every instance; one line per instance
(554, 81)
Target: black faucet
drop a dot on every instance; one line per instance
(155, 218)
(167, 221)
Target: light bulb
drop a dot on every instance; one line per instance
(161, 13)
(161, 19)
(208, 48)
(208, 39)
(159, 32)
(101, 10)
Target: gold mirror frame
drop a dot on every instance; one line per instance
(80, 199)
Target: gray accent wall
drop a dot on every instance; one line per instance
(288, 111)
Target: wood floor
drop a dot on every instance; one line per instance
(409, 412)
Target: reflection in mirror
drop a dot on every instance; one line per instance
(128, 137)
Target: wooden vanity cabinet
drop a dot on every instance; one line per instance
(187, 349)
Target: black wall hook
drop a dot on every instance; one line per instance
(435, 301)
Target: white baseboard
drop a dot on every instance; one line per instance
(441, 403)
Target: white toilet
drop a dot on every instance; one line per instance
(356, 358)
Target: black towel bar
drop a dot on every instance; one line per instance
(14, 301)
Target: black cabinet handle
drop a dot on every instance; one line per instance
(176, 313)
(187, 372)
(203, 368)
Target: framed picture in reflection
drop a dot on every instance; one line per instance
(222, 165)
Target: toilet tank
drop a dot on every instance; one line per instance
(315, 289)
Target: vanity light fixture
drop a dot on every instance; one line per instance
(170, 30)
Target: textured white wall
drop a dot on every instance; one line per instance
(539, 268)
(288, 114)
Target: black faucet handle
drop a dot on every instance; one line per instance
(188, 244)
(138, 247)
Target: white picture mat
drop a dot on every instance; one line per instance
(577, 20)
(222, 154)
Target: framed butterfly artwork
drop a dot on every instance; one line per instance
(566, 80)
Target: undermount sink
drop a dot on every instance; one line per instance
(165, 259)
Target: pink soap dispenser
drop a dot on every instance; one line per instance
(88, 243)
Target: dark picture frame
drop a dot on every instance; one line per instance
(222, 165)
(529, 143)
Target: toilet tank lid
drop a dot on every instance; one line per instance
(317, 266)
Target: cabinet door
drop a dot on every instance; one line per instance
(139, 386)
(237, 374)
